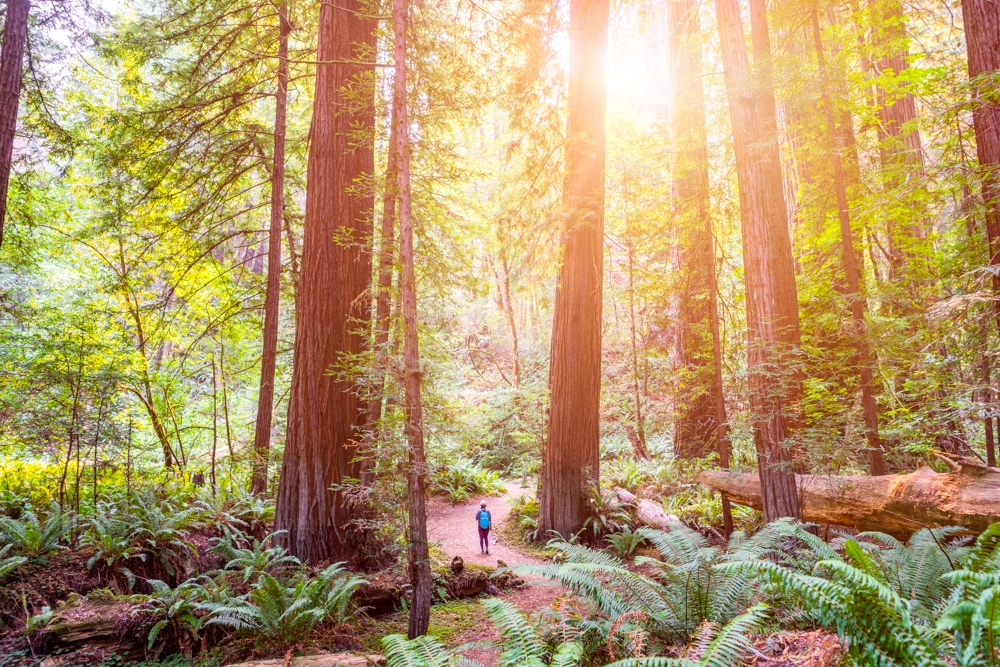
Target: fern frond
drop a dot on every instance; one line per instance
(518, 639)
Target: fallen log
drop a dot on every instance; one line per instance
(647, 512)
(330, 660)
(900, 505)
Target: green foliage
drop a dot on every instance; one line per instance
(628, 474)
(524, 514)
(30, 537)
(179, 609)
(284, 612)
(9, 563)
(255, 560)
(625, 542)
(460, 479)
(521, 643)
(607, 514)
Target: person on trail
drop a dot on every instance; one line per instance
(484, 520)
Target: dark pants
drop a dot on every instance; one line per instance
(484, 539)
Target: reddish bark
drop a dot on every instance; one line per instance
(15, 36)
(899, 138)
(265, 397)
(856, 299)
(418, 554)
(695, 425)
(571, 458)
(772, 303)
(982, 39)
(324, 415)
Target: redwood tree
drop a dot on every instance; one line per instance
(772, 302)
(571, 457)
(701, 424)
(15, 35)
(324, 412)
(265, 397)
(852, 272)
(899, 138)
(695, 423)
(418, 554)
(982, 39)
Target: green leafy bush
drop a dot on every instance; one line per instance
(257, 559)
(462, 478)
(30, 537)
(625, 543)
(284, 612)
(607, 514)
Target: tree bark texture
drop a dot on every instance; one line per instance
(383, 298)
(695, 425)
(324, 412)
(899, 138)
(571, 458)
(982, 39)
(900, 505)
(15, 36)
(772, 303)
(418, 554)
(265, 396)
(855, 295)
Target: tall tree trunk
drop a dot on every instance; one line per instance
(15, 35)
(418, 553)
(324, 415)
(506, 303)
(691, 189)
(572, 449)
(265, 396)
(855, 296)
(982, 39)
(636, 435)
(383, 302)
(695, 423)
(772, 302)
(899, 139)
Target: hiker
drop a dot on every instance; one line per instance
(484, 520)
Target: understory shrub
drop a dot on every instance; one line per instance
(462, 478)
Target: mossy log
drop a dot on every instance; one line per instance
(647, 512)
(967, 496)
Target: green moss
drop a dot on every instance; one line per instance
(450, 623)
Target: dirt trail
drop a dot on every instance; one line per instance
(454, 528)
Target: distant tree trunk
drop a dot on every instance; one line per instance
(637, 434)
(982, 39)
(506, 303)
(772, 303)
(692, 197)
(991, 456)
(855, 296)
(695, 423)
(265, 396)
(324, 412)
(572, 448)
(383, 298)
(899, 139)
(97, 441)
(215, 423)
(15, 35)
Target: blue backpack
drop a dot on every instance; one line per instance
(484, 519)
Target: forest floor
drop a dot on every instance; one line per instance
(452, 528)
